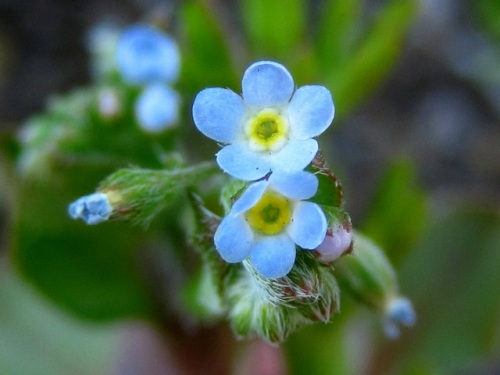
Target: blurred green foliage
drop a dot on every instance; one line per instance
(447, 265)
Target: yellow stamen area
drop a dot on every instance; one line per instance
(271, 214)
(267, 130)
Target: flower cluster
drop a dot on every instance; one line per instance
(151, 59)
(267, 135)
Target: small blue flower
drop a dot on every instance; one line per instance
(270, 128)
(93, 209)
(398, 311)
(268, 220)
(145, 55)
(157, 108)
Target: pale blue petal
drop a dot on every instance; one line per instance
(233, 239)
(93, 209)
(249, 197)
(219, 114)
(308, 226)
(266, 84)
(294, 156)
(310, 111)
(298, 185)
(145, 54)
(241, 162)
(157, 108)
(273, 256)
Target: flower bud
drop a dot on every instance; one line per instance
(338, 239)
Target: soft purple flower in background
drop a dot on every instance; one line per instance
(269, 220)
(157, 108)
(145, 55)
(93, 209)
(269, 128)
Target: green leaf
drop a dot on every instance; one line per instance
(206, 56)
(330, 191)
(373, 59)
(91, 271)
(37, 338)
(452, 276)
(274, 28)
(337, 32)
(398, 211)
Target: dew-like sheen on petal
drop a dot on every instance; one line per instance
(219, 114)
(273, 256)
(241, 162)
(233, 239)
(249, 197)
(310, 111)
(266, 84)
(294, 156)
(298, 185)
(308, 226)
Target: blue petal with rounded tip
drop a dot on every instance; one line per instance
(145, 54)
(273, 256)
(249, 197)
(233, 239)
(298, 185)
(241, 162)
(219, 114)
(308, 226)
(267, 84)
(310, 111)
(157, 108)
(294, 156)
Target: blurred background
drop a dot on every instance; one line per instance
(415, 142)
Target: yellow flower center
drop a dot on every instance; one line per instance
(271, 214)
(267, 130)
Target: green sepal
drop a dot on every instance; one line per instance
(274, 308)
(273, 28)
(367, 274)
(330, 191)
(141, 194)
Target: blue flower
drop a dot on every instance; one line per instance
(145, 55)
(157, 108)
(93, 209)
(268, 220)
(399, 310)
(270, 128)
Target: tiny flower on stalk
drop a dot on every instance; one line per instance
(145, 55)
(398, 311)
(267, 222)
(93, 209)
(269, 128)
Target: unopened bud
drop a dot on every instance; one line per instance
(399, 311)
(338, 238)
(93, 209)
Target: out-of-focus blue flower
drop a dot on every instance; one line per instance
(145, 55)
(268, 220)
(157, 108)
(93, 209)
(270, 128)
(398, 311)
